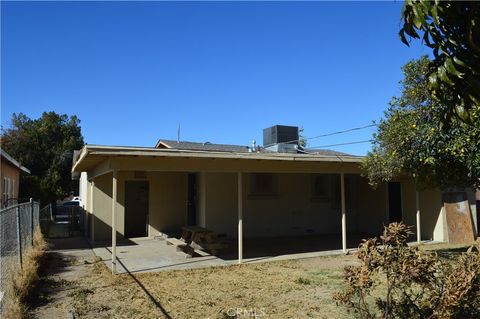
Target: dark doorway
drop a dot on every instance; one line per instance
(394, 202)
(192, 200)
(136, 208)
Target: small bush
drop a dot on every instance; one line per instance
(415, 284)
(24, 278)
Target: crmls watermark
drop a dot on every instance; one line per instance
(246, 312)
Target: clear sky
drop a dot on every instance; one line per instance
(223, 70)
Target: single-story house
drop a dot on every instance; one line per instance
(278, 190)
(10, 170)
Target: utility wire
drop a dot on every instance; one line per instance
(339, 144)
(335, 133)
(341, 132)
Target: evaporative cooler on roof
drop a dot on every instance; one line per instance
(280, 134)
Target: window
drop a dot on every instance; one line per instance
(263, 185)
(326, 188)
(5, 190)
(8, 190)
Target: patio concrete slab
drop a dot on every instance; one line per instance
(147, 255)
(150, 255)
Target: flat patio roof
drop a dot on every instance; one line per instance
(93, 155)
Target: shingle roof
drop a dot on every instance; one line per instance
(325, 152)
(207, 146)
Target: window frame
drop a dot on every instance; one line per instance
(256, 193)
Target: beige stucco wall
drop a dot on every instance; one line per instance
(220, 206)
(432, 216)
(292, 211)
(102, 207)
(167, 202)
(431, 212)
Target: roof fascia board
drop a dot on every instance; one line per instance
(83, 154)
(13, 161)
(247, 156)
(171, 164)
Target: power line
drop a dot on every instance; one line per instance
(335, 133)
(341, 132)
(339, 144)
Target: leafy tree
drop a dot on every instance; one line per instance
(302, 140)
(45, 146)
(410, 139)
(452, 30)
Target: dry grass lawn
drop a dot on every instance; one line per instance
(287, 289)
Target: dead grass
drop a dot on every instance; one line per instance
(287, 289)
(23, 279)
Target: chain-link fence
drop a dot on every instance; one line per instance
(17, 226)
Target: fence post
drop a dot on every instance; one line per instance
(31, 220)
(19, 238)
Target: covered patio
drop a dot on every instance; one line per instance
(153, 254)
(267, 206)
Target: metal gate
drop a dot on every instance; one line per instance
(57, 221)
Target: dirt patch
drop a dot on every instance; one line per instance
(59, 276)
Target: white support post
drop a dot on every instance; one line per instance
(240, 218)
(114, 222)
(344, 214)
(419, 230)
(92, 215)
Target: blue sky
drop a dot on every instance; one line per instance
(223, 70)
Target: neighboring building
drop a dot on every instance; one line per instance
(279, 190)
(10, 170)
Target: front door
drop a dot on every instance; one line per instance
(192, 200)
(136, 208)
(394, 202)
